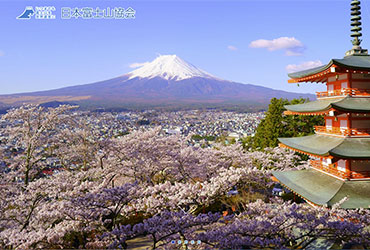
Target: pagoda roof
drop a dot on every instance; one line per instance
(325, 190)
(345, 104)
(324, 145)
(355, 62)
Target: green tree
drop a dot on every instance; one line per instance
(276, 124)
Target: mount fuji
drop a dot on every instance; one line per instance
(167, 80)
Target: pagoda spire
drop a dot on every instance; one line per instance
(356, 22)
(356, 30)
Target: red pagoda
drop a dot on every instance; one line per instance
(340, 150)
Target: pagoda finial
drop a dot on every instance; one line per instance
(356, 28)
(356, 22)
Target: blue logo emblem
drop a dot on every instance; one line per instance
(27, 13)
(39, 12)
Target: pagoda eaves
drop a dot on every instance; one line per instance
(323, 106)
(325, 190)
(322, 145)
(349, 64)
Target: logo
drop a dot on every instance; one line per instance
(27, 13)
(40, 12)
(47, 12)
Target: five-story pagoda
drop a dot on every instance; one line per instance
(340, 150)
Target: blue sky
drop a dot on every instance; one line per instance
(243, 41)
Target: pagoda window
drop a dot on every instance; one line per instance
(330, 89)
(343, 124)
(344, 85)
(329, 123)
(341, 165)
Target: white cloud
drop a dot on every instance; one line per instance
(137, 65)
(291, 45)
(305, 65)
(294, 52)
(233, 48)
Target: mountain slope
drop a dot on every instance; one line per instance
(167, 79)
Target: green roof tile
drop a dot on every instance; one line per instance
(352, 148)
(314, 106)
(350, 104)
(325, 190)
(357, 62)
(324, 145)
(313, 144)
(353, 104)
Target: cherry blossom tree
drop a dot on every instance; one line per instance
(265, 225)
(163, 228)
(80, 145)
(31, 130)
(261, 225)
(148, 184)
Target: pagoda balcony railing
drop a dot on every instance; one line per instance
(360, 174)
(344, 92)
(343, 131)
(332, 169)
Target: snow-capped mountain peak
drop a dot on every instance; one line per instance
(169, 67)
